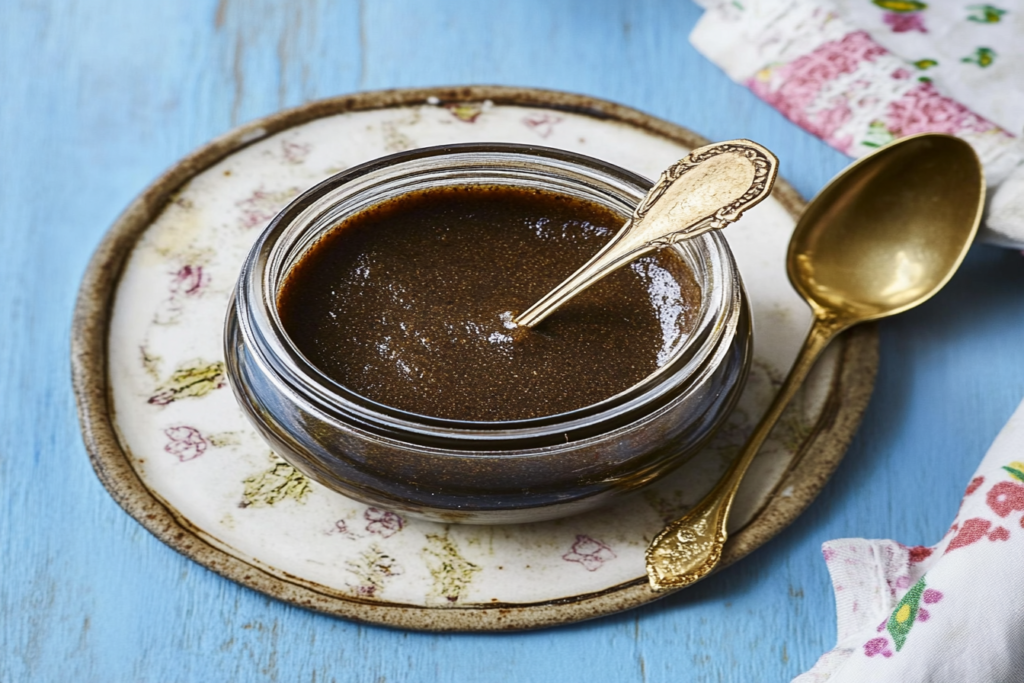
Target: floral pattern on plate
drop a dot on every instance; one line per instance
(192, 446)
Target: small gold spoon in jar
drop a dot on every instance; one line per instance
(707, 190)
(885, 235)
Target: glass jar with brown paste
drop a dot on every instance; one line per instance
(370, 338)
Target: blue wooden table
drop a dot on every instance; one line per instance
(97, 98)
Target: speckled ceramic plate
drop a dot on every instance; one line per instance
(168, 441)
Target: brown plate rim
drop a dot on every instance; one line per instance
(820, 453)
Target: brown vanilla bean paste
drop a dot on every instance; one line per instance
(409, 304)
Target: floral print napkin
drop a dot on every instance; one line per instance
(861, 73)
(948, 612)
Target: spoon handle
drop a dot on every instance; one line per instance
(687, 549)
(706, 190)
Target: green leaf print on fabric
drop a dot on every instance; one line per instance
(903, 617)
(901, 5)
(983, 57)
(909, 611)
(924, 64)
(1016, 470)
(985, 14)
(878, 135)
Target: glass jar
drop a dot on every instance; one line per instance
(481, 472)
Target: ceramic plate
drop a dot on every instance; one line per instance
(172, 447)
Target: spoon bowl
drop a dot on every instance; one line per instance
(890, 230)
(885, 235)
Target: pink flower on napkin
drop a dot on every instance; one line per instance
(1006, 497)
(971, 531)
(925, 110)
(793, 88)
(877, 646)
(904, 22)
(919, 553)
(973, 486)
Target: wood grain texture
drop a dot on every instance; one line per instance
(98, 97)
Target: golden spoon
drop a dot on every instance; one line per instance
(885, 235)
(707, 190)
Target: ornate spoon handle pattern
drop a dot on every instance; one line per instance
(707, 190)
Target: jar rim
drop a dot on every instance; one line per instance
(298, 225)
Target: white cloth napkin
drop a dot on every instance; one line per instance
(860, 73)
(950, 612)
